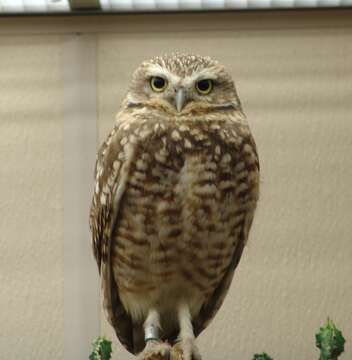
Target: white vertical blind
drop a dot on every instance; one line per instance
(58, 5)
(12, 5)
(35, 5)
(81, 289)
(44, 6)
(172, 5)
(23, 6)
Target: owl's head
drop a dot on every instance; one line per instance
(181, 83)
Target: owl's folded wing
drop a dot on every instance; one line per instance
(111, 169)
(211, 306)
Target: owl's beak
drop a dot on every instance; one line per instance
(180, 99)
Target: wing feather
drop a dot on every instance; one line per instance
(211, 307)
(213, 304)
(111, 174)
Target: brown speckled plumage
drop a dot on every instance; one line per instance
(174, 199)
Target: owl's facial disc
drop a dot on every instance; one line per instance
(203, 87)
(170, 88)
(178, 91)
(175, 85)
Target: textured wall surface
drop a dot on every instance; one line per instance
(294, 76)
(31, 192)
(296, 88)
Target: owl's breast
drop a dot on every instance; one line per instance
(187, 197)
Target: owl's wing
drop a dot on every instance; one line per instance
(111, 172)
(213, 304)
(211, 307)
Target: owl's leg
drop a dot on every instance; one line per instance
(154, 348)
(187, 340)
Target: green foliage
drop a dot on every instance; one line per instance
(101, 349)
(330, 341)
(262, 356)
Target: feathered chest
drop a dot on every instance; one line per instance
(187, 193)
(207, 163)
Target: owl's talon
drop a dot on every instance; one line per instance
(188, 348)
(155, 350)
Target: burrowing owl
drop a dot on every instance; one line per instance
(176, 188)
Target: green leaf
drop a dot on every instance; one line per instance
(262, 356)
(101, 349)
(330, 341)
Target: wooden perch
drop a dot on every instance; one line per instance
(176, 354)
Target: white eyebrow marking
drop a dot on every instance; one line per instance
(200, 75)
(157, 70)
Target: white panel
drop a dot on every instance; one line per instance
(144, 5)
(172, 5)
(328, 2)
(12, 6)
(58, 5)
(30, 6)
(236, 4)
(306, 3)
(283, 3)
(257, 4)
(121, 5)
(213, 4)
(190, 5)
(35, 5)
(105, 4)
(167, 4)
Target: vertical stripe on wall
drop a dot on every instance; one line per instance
(81, 289)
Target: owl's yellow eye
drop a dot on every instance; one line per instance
(158, 84)
(204, 87)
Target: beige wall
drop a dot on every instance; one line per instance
(31, 193)
(294, 76)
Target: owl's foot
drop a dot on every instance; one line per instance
(186, 349)
(155, 350)
(187, 340)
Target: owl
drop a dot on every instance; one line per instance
(176, 187)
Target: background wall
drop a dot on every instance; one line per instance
(31, 193)
(294, 75)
